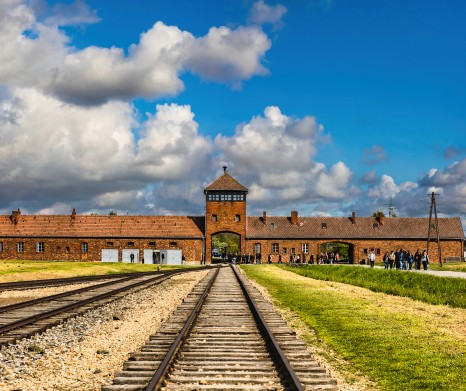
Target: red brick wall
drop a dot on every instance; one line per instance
(226, 212)
(192, 248)
(449, 248)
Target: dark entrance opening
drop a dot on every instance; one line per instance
(226, 247)
(344, 251)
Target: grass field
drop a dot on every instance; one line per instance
(453, 266)
(36, 270)
(399, 343)
(418, 286)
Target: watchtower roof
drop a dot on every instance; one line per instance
(225, 182)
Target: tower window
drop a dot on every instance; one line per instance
(238, 218)
(214, 217)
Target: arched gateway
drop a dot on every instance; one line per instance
(225, 211)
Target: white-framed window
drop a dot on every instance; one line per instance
(20, 247)
(305, 248)
(284, 250)
(40, 247)
(275, 247)
(84, 248)
(257, 248)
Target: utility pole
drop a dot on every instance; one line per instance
(433, 205)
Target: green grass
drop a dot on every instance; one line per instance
(453, 266)
(427, 288)
(32, 270)
(399, 351)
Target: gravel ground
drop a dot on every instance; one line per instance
(83, 353)
(15, 296)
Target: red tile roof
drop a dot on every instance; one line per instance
(103, 226)
(343, 228)
(226, 182)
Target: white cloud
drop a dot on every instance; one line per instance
(386, 188)
(171, 147)
(38, 55)
(75, 13)
(375, 154)
(263, 13)
(275, 153)
(53, 152)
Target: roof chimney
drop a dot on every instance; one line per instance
(353, 217)
(380, 218)
(294, 217)
(264, 217)
(15, 216)
(225, 168)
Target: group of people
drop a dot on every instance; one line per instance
(402, 259)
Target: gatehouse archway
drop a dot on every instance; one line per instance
(226, 247)
(344, 250)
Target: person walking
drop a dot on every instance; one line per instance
(385, 260)
(372, 258)
(391, 259)
(424, 259)
(131, 257)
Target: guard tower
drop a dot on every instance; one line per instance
(225, 210)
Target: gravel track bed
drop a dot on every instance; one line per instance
(83, 353)
(16, 296)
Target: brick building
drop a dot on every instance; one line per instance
(110, 238)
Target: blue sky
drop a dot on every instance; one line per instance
(321, 106)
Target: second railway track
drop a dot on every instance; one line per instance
(224, 336)
(21, 320)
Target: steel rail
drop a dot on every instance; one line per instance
(43, 315)
(29, 284)
(283, 363)
(160, 373)
(39, 300)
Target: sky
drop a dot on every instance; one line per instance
(320, 106)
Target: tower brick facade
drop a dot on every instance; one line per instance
(225, 210)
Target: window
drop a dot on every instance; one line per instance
(151, 243)
(377, 251)
(284, 250)
(375, 225)
(214, 218)
(238, 218)
(40, 247)
(365, 251)
(20, 247)
(293, 251)
(324, 225)
(67, 249)
(58, 249)
(305, 248)
(173, 244)
(272, 225)
(275, 247)
(84, 248)
(1, 247)
(257, 248)
(110, 244)
(130, 244)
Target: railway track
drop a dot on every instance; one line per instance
(21, 320)
(224, 336)
(52, 282)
